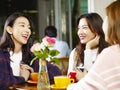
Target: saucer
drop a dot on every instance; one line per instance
(54, 87)
(32, 82)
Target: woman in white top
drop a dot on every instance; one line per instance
(92, 42)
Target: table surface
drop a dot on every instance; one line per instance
(27, 86)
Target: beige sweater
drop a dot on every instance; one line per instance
(105, 73)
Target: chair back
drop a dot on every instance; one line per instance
(64, 65)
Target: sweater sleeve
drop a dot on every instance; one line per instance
(6, 76)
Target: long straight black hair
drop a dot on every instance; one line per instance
(7, 42)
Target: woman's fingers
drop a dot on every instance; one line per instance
(93, 43)
(24, 66)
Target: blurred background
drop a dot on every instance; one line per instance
(60, 13)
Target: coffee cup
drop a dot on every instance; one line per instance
(34, 76)
(62, 81)
(72, 74)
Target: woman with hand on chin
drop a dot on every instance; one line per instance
(105, 72)
(15, 48)
(92, 42)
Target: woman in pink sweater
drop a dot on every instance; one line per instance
(105, 73)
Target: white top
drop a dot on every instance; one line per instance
(104, 74)
(62, 47)
(15, 63)
(89, 58)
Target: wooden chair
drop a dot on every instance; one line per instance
(64, 61)
(63, 65)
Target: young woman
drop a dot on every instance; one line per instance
(15, 50)
(105, 73)
(92, 42)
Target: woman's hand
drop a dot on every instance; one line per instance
(25, 73)
(25, 66)
(93, 43)
(80, 74)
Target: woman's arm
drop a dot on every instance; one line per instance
(6, 76)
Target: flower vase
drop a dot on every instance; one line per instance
(43, 78)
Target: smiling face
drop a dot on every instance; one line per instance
(20, 31)
(84, 32)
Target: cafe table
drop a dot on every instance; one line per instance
(27, 86)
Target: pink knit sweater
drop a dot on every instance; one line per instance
(105, 73)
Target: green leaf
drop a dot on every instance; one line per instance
(56, 60)
(44, 55)
(37, 53)
(46, 50)
(54, 53)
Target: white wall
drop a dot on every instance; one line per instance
(98, 6)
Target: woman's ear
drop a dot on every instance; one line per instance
(9, 29)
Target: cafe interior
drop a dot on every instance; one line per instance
(60, 13)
